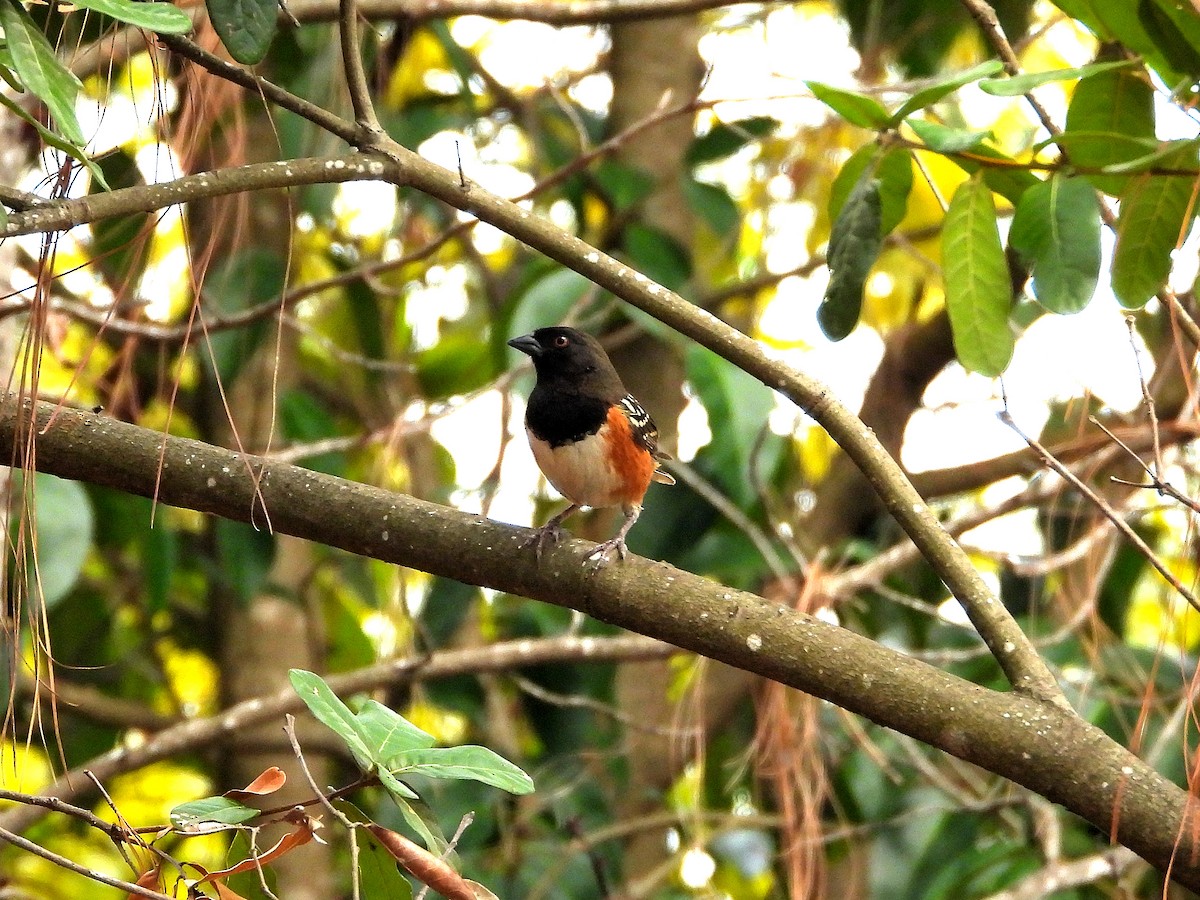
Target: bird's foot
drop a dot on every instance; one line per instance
(598, 558)
(550, 533)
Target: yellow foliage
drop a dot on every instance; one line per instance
(816, 450)
(686, 793)
(146, 797)
(1158, 616)
(449, 727)
(23, 768)
(74, 364)
(157, 415)
(193, 680)
(424, 54)
(897, 283)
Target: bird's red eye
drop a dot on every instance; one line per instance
(561, 341)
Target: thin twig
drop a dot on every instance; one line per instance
(289, 728)
(70, 865)
(1106, 508)
(722, 504)
(1147, 399)
(356, 76)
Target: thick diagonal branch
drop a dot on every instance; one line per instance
(1034, 743)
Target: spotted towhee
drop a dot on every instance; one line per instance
(590, 437)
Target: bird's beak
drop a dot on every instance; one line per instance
(527, 343)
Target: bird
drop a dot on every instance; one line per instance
(590, 437)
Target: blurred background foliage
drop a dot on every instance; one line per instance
(361, 331)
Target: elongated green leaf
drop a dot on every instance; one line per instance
(1112, 102)
(378, 873)
(894, 170)
(416, 813)
(866, 112)
(854, 245)
(193, 817)
(64, 534)
(164, 18)
(1023, 84)
(1153, 212)
(944, 139)
(1168, 156)
(245, 27)
(726, 138)
(40, 70)
(397, 788)
(714, 206)
(331, 711)
(53, 140)
(978, 291)
(1056, 228)
(1168, 37)
(935, 92)
(469, 763)
(388, 733)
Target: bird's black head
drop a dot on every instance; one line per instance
(568, 356)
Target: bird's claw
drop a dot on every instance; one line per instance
(550, 533)
(598, 558)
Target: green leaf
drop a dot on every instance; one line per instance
(935, 92)
(332, 712)
(623, 185)
(854, 245)
(657, 255)
(458, 363)
(856, 109)
(1167, 157)
(943, 139)
(245, 554)
(893, 168)
(218, 811)
(64, 530)
(741, 404)
(726, 138)
(164, 18)
(254, 884)
(1113, 102)
(1057, 228)
(978, 290)
(417, 814)
(378, 873)
(245, 27)
(39, 68)
(1165, 32)
(1152, 221)
(388, 733)
(1023, 84)
(713, 204)
(53, 140)
(469, 763)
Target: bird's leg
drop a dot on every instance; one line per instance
(599, 556)
(551, 531)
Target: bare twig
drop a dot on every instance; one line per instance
(29, 846)
(1106, 508)
(356, 76)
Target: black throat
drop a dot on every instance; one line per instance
(561, 417)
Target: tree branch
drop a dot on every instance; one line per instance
(1017, 657)
(1036, 744)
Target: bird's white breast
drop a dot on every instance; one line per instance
(580, 471)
